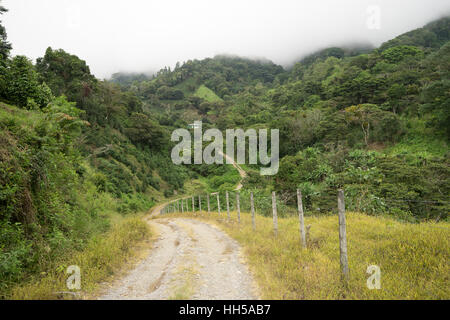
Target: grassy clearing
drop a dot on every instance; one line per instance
(414, 258)
(207, 94)
(420, 142)
(104, 256)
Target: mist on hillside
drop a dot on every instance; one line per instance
(146, 36)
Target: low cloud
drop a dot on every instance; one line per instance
(139, 36)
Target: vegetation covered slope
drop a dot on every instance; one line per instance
(375, 122)
(74, 152)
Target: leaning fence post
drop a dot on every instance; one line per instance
(207, 200)
(200, 204)
(342, 234)
(228, 206)
(275, 216)
(252, 211)
(218, 203)
(301, 218)
(238, 207)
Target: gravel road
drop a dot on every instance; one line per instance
(190, 260)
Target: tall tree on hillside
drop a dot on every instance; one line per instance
(5, 46)
(66, 74)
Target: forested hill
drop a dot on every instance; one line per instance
(376, 121)
(74, 150)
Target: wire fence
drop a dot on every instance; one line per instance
(319, 203)
(286, 204)
(277, 205)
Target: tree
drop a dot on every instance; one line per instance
(436, 99)
(395, 93)
(145, 131)
(23, 87)
(364, 115)
(67, 116)
(5, 46)
(66, 74)
(397, 54)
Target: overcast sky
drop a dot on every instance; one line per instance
(138, 35)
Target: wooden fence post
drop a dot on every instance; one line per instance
(301, 218)
(207, 200)
(218, 203)
(200, 204)
(342, 234)
(238, 207)
(275, 216)
(182, 205)
(252, 211)
(228, 206)
(193, 205)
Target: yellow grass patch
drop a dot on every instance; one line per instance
(413, 258)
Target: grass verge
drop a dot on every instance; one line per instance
(103, 257)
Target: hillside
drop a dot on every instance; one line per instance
(373, 120)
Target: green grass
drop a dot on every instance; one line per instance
(414, 258)
(207, 94)
(195, 186)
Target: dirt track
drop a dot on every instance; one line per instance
(190, 260)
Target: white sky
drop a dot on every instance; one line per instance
(138, 35)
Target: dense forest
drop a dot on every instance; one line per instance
(74, 148)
